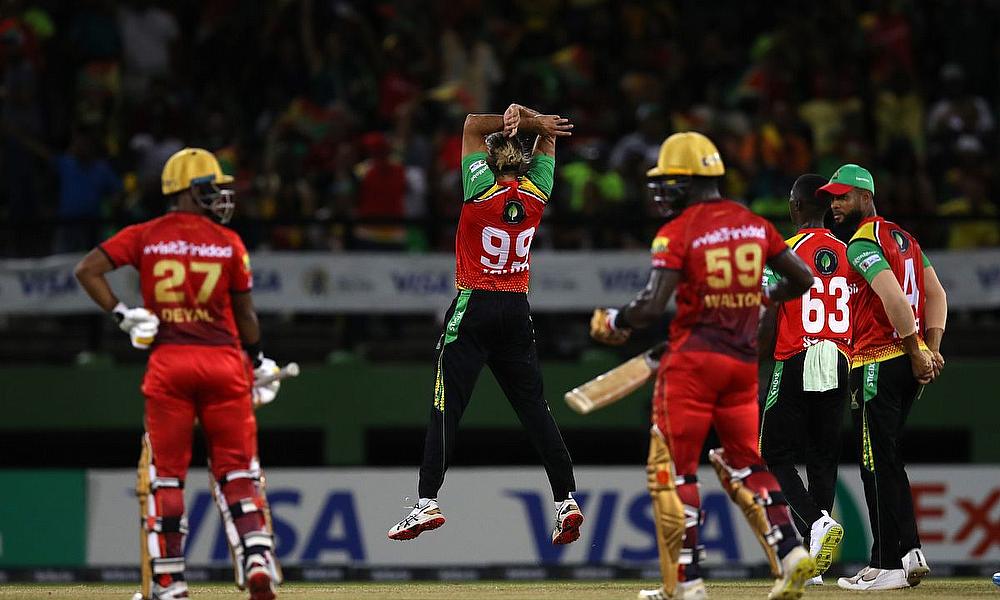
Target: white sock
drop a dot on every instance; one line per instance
(423, 502)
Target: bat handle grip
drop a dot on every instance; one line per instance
(289, 370)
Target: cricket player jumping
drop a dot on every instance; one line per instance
(713, 252)
(489, 321)
(198, 318)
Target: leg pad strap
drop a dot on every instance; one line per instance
(750, 504)
(168, 566)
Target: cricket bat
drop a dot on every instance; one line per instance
(289, 370)
(617, 383)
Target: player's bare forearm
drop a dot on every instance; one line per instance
(935, 305)
(246, 319)
(796, 277)
(475, 130)
(90, 273)
(524, 111)
(933, 337)
(650, 304)
(767, 333)
(544, 145)
(897, 307)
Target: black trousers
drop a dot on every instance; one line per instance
(882, 395)
(494, 329)
(798, 425)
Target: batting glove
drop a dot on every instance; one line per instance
(140, 324)
(265, 391)
(602, 327)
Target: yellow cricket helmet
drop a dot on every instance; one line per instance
(190, 166)
(198, 170)
(689, 153)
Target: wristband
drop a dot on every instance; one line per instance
(118, 312)
(618, 320)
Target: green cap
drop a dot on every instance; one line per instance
(848, 176)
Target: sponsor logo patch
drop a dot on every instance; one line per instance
(826, 261)
(866, 260)
(901, 240)
(660, 244)
(513, 212)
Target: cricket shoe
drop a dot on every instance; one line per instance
(870, 578)
(259, 582)
(657, 594)
(691, 590)
(568, 521)
(916, 567)
(824, 539)
(425, 516)
(177, 590)
(796, 568)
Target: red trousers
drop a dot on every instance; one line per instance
(696, 390)
(212, 384)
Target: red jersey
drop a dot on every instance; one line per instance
(498, 224)
(824, 311)
(879, 245)
(720, 248)
(188, 266)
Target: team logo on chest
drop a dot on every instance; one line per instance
(825, 261)
(513, 212)
(900, 239)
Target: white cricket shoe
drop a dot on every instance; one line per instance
(177, 590)
(817, 580)
(657, 594)
(824, 538)
(425, 516)
(869, 578)
(796, 567)
(691, 590)
(916, 567)
(568, 522)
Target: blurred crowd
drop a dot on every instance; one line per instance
(341, 120)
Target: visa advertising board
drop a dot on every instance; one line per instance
(504, 516)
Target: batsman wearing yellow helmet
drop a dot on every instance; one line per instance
(712, 252)
(200, 327)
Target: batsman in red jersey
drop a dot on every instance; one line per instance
(489, 322)
(810, 340)
(199, 323)
(712, 252)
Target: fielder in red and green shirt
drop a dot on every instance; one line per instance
(899, 314)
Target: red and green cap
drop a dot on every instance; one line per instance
(847, 177)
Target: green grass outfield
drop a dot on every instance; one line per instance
(953, 589)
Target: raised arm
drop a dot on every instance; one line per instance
(545, 127)
(475, 130)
